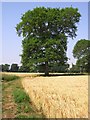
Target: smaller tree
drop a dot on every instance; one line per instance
(4, 68)
(14, 68)
(81, 52)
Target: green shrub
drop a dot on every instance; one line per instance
(20, 96)
(24, 107)
(6, 77)
(21, 116)
(35, 117)
(31, 116)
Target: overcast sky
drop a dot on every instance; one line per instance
(11, 14)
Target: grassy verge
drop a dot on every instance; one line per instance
(15, 102)
(6, 77)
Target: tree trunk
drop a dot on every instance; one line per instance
(46, 69)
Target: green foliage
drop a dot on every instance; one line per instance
(31, 116)
(45, 32)
(21, 116)
(24, 107)
(42, 21)
(81, 52)
(7, 77)
(23, 69)
(8, 68)
(81, 48)
(20, 96)
(14, 68)
(74, 69)
(4, 68)
(28, 108)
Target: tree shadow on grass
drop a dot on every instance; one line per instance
(63, 74)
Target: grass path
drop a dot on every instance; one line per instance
(15, 103)
(9, 107)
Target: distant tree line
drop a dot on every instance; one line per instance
(13, 68)
(8, 68)
(76, 68)
(17, 68)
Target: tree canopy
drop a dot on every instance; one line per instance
(81, 52)
(14, 67)
(4, 67)
(45, 32)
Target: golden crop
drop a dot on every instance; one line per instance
(59, 97)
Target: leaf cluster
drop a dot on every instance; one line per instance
(48, 22)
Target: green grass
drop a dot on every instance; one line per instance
(22, 100)
(31, 116)
(24, 108)
(20, 96)
(6, 77)
(24, 104)
(21, 116)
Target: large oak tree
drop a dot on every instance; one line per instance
(45, 32)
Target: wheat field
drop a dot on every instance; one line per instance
(22, 74)
(59, 97)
